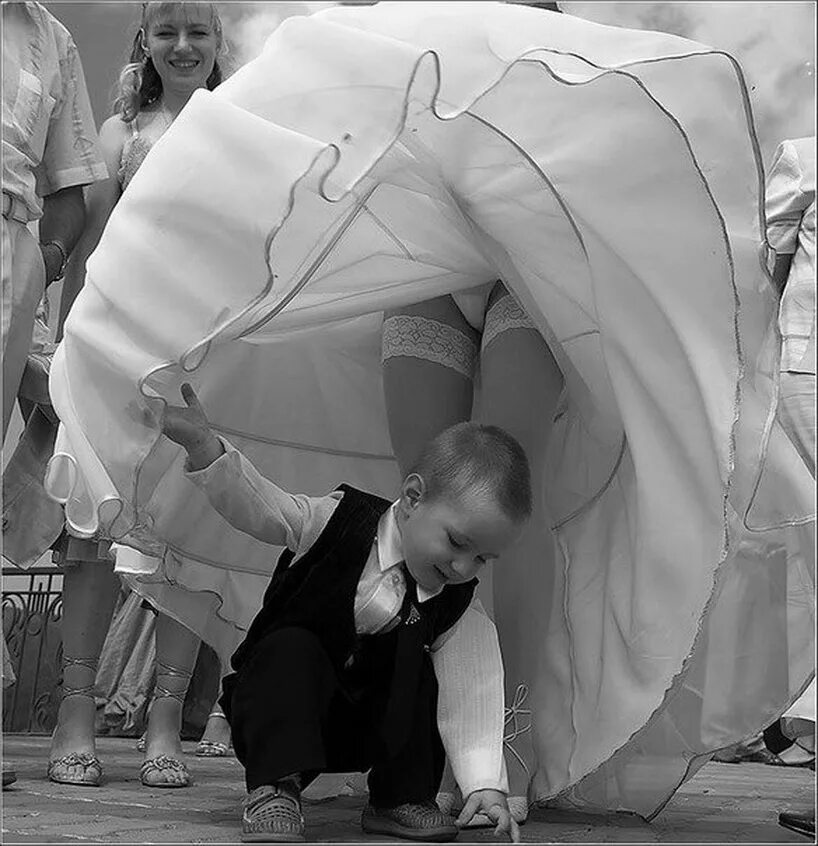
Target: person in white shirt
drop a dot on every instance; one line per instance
(790, 207)
(50, 151)
(790, 212)
(370, 651)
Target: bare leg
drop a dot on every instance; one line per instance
(176, 651)
(521, 384)
(88, 596)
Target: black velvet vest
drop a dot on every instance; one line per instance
(317, 593)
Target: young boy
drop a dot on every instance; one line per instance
(370, 652)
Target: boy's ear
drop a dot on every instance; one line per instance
(413, 490)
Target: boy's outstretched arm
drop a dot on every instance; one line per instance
(470, 715)
(246, 499)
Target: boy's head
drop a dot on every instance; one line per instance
(463, 504)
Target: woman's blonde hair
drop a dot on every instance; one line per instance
(139, 82)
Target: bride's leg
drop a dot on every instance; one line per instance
(521, 384)
(429, 352)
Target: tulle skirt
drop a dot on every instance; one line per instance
(376, 157)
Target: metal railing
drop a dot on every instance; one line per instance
(32, 627)
(32, 615)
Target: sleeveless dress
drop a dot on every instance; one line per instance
(375, 157)
(134, 150)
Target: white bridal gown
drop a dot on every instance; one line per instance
(374, 157)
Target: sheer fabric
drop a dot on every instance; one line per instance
(375, 157)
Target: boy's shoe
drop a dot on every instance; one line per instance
(271, 815)
(421, 821)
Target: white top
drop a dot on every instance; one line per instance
(791, 231)
(466, 658)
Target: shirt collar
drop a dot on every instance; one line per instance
(390, 548)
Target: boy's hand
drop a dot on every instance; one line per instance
(494, 805)
(189, 428)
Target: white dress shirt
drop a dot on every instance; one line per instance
(466, 658)
(49, 136)
(790, 208)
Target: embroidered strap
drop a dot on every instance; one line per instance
(217, 714)
(160, 691)
(85, 690)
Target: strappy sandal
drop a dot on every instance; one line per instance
(212, 748)
(63, 770)
(166, 764)
(271, 815)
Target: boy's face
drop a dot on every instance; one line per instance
(448, 540)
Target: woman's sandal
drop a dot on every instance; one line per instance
(212, 748)
(64, 770)
(154, 772)
(164, 764)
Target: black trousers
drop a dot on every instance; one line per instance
(289, 714)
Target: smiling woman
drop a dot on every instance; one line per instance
(175, 51)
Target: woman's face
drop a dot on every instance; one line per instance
(182, 41)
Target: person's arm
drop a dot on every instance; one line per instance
(102, 198)
(785, 203)
(781, 271)
(60, 228)
(469, 670)
(247, 500)
(71, 159)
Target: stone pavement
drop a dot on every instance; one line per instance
(723, 803)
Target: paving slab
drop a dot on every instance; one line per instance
(723, 803)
